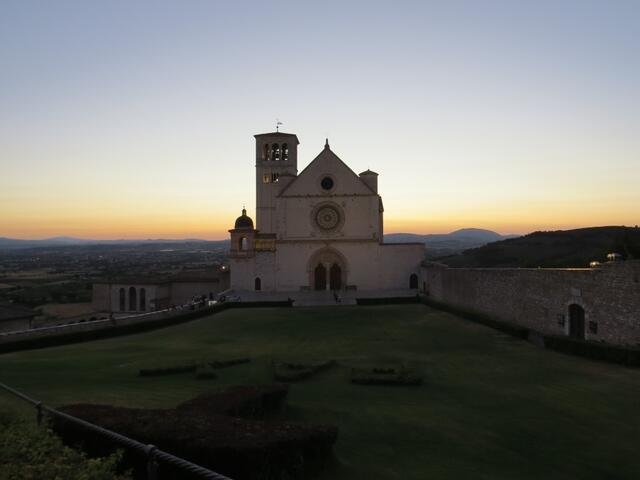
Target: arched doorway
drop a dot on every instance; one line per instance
(143, 299)
(320, 277)
(413, 281)
(576, 321)
(132, 299)
(257, 284)
(335, 277)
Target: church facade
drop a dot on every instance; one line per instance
(320, 229)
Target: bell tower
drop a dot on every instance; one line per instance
(276, 155)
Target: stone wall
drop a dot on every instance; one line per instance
(15, 324)
(540, 298)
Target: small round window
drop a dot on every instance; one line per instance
(327, 183)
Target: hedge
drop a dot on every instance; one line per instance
(219, 432)
(386, 376)
(597, 351)
(506, 327)
(388, 300)
(127, 329)
(605, 352)
(292, 372)
(154, 372)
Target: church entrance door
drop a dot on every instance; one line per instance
(335, 277)
(320, 277)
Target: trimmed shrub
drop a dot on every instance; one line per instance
(385, 376)
(240, 401)
(228, 363)
(292, 372)
(594, 350)
(629, 356)
(388, 300)
(115, 330)
(154, 372)
(217, 432)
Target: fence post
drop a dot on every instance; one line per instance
(152, 462)
(39, 413)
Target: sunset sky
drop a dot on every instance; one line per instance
(123, 119)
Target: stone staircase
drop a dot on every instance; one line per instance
(323, 299)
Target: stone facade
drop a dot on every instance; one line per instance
(15, 317)
(551, 301)
(147, 294)
(321, 229)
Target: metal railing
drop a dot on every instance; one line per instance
(153, 455)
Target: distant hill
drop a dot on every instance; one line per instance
(14, 243)
(441, 244)
(562, 248)
(437, 244)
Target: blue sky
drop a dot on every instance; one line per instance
(135, 119)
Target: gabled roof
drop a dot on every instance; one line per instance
(333, 162)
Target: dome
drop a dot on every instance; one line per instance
(244, 221)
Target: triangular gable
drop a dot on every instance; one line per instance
(327, 163)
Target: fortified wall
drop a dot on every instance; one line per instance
(545, 300)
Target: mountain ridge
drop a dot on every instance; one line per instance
(552, 249)
(457, 240)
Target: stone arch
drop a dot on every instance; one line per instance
(143, 299)
(577, 321)
(322, 262)
(413, 281)
(257, 284)
(132, 299)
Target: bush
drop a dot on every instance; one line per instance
(291, 372)
(385, 376)
(153, 372)
(228, 363)
(217, 432)
(203, 369)
(28, 452)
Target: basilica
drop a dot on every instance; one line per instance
(317, 230)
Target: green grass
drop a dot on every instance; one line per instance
(491, 406)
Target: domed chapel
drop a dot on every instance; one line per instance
(317, 230)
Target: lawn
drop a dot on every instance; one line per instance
(490, 407)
